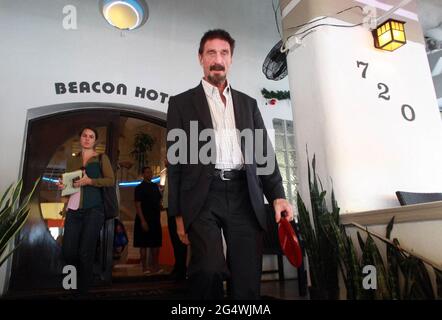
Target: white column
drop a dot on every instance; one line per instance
(370, 116)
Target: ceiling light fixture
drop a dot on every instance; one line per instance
(124, 14)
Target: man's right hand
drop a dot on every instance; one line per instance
(181, 231)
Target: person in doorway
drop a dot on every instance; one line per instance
(85, 209)
(179, 270)
(224, 194)
(147, 228)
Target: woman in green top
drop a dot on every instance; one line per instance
(85, 215)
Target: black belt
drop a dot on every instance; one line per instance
(226, 175)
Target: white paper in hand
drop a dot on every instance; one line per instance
(68, 180)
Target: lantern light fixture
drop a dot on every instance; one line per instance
(390, 35)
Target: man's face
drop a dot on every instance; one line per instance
(216, 60)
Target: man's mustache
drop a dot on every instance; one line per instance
(217, 67)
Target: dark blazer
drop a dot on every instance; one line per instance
(189, 183)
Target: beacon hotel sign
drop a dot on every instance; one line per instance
(108, 88)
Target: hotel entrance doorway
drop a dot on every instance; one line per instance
(37, 262)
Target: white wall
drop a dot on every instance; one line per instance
(36, 52)
(361, 141)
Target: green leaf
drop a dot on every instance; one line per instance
(423, 283)
(14, 214)
(335, 207)
(14, 228)
(393, 271)
(390, 228)
(4, 197)
(438, 274)
(3, 260)
(361, 241)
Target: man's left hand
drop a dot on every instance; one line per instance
(280, 206)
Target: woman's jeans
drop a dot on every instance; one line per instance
(81, 232)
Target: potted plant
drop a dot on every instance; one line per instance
(13, 215)
(143, 143)
(403, 274)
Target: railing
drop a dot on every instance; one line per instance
(411, 213)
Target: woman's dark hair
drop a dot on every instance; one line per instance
(217, 34)
(90, 128)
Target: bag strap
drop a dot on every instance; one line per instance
(100, 158)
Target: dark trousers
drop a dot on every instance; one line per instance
(81, 232)
(179, 251)
(228, 208)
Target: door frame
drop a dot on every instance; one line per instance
(36, 220)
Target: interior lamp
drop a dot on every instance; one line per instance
(124, 14)
(390, 35)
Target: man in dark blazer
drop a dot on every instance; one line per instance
(224, 194)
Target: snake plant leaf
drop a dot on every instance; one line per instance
(5, 194)
(335, 207)
(11, 196)
(393, 271)
(17, 192)
(423, 283)
(347, 260)
(355, 269)
(14, 215)
(361, 241)
(438, 274)
(390, 228)
(9, 223)
(406, 268)
(393, 264)
(373, 257)
(331, 250)
(13, 230)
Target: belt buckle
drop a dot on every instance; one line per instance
(222, 175)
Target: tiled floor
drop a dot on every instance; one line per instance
(132, 273)
(129, 283)
(134, 270)
(285, 290)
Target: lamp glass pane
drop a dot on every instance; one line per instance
(385, 38)
(393, 46)
(399, 35)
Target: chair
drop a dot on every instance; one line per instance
(407, 198)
